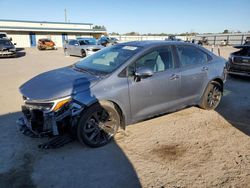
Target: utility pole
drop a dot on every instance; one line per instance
(65, 14)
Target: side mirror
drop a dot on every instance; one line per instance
(10, 38)
(143, 72)
(15, 44)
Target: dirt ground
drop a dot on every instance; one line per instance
(188, 148)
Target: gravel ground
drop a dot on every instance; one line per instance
(188, 148)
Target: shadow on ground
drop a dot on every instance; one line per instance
(235, 104)
(24, 165)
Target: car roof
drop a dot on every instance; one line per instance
(151, 43)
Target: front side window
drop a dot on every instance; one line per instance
(109, 59)
(190, 55)
(157, 60)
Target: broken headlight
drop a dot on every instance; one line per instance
(54, 105)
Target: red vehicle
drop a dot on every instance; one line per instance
(46, 44)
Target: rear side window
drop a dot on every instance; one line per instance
(190, 55)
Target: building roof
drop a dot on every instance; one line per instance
(42, 26)
(28, 21)
(33, 29)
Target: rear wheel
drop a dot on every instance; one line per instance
(212, 96)
(98, 124)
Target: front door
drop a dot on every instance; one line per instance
(158, 93)
(32, 39)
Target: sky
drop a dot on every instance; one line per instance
(143, 16)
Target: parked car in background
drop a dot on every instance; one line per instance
(107, 41)
(7, 48)
(81, 47)
(239, 61)
(172, 38)
(4, 35)
(247, 41)
(121, 85)
(113, 40)
(46, 44)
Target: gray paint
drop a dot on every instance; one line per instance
(138, 100)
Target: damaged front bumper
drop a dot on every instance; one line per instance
(40, 122)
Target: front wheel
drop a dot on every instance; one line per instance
(98, 124)
(212, 96)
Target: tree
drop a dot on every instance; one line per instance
(132, 33)
(225, 31)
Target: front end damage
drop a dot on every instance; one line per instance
(53, 118)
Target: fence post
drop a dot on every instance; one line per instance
(242, 38)
(218, 49)
(227, 40)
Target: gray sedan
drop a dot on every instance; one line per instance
(81, 47)
(121, 85)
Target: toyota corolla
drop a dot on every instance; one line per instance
(121, 85)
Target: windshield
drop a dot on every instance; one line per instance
(87, 41)
(109, 59)
(5, 42)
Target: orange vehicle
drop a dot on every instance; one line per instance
(46, 44)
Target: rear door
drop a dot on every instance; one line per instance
(156, 94)
(194, 70)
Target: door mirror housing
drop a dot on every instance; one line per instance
(143, 73)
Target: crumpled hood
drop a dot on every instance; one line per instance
(57, 84)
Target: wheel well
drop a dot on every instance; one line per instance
(220, 82)
(122, 125)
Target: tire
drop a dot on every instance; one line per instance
(66, 53)
(98, 124)
(212, 96)
(83, 53)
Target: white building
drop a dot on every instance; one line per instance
(27, 33)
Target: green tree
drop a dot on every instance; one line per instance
(225, 31)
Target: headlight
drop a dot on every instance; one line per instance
(60, 103)
(44, 106)
(50, 105)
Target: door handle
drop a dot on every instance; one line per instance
(174, 77)
(204, 69)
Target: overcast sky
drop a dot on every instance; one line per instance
(143, 16)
